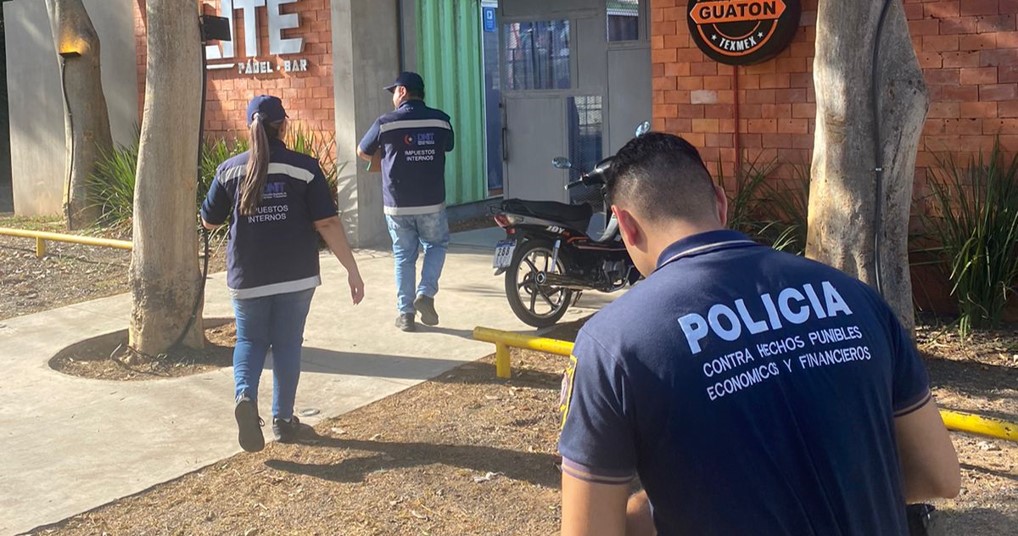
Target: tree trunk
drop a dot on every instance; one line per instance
(165, 279)
(86, 121)
(844, 203)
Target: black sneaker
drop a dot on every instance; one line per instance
(249, 424)
(426, 306)
(406, 322)
(288, 431)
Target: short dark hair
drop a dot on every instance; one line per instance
(662, 177)
(415, 92)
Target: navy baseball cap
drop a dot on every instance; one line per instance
(408, 80)
(267, 105)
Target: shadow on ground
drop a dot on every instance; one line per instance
(973, 521)
(534, 467)
(994, 472)
(973, 378)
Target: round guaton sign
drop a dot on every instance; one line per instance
(743, 32)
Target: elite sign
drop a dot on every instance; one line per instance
(742, 32)
(278, 45)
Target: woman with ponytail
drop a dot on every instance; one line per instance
(278, 199)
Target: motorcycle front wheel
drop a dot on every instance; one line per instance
(539, 306)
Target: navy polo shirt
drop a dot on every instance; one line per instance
(752, 391)
(414, 140)
(275, 250)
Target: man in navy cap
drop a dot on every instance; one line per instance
(413, 140)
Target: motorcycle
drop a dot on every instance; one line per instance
(549, 257)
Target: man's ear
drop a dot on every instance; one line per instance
(632, 233)
(721, 200)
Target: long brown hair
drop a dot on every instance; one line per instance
(253, 185)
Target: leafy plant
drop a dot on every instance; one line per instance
(114, 181)
(789, 213)
(113, 184)
(213, 153)
(743, 196)
(977, 226)
(319, 145)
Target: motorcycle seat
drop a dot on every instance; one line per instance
(575, 216)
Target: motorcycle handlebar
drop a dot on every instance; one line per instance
(573, 184)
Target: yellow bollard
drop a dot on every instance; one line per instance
(974, 424)
(40, 248)
(502, 367)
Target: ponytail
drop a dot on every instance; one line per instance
(257, 165)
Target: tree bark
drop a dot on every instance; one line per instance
(844, 202)
(86, 121)
(164, 276)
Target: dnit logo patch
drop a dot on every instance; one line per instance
(743, 32)
(423, 138)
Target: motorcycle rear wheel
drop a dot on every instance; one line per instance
(536, 305)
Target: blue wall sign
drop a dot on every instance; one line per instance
(488, 14)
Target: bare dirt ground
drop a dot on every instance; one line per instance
(68, 273)
(109, 357)
(464, 453)
(978, 375)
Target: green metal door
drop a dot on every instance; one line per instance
(449, 59)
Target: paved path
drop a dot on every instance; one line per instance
(68, 445)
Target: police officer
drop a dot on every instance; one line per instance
(411, 142)
(752, 391)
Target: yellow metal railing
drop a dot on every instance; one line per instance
(504, 339)
(974, 424)
(42, 236)
(953, 420)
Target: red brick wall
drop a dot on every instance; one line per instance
(969, 54)
(307, 96)
(968, 50)
(696, 97)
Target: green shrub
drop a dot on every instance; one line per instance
(213, 153)
(320, 145)
(788, 213)
(744, 195)
(113, 183)
(977, 226)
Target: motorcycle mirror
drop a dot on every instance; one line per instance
(642, 128)
(561, 162)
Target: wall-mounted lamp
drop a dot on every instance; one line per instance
(71, 45)
(214, 28)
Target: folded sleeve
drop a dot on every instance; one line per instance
(319, 197)
(597, 441)
(910, 383)
(217, 205)
(370, 142)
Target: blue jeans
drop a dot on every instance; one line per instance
(275, 321)
(431, 232)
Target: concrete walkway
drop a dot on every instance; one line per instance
(68, 445)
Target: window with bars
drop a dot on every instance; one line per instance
(623, 20)
(586, 133)
(537, 55)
